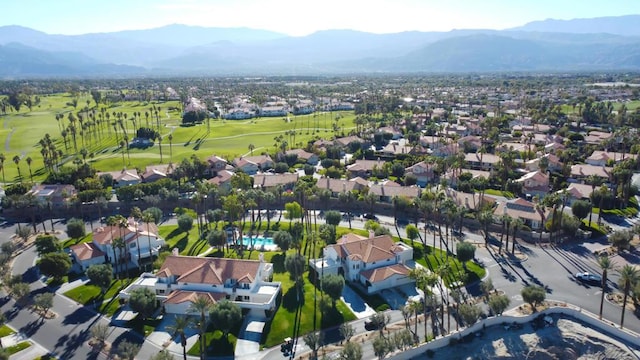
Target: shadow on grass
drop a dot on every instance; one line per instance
(143, 327)
(331, 318)
(216, 254)
(291, 301)
(182, 243)
(278, 263)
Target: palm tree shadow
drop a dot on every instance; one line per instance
(290, 299)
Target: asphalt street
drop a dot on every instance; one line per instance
(550, 267)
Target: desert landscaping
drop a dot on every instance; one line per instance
(566, 339)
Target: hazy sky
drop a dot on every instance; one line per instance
(300, 17)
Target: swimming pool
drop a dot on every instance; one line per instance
(259, 242)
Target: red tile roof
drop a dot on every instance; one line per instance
(86, 251)
(214, 271)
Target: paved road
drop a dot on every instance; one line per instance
(551, 268)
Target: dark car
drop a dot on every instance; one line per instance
(370, 216)
(402, 222)
(589, 278)
(370, 325)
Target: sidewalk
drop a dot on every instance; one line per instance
(30, 353)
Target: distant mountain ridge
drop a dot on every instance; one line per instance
(549, 45)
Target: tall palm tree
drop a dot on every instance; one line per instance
(629, 276)
(605, 266)
(160, 146)
(147, 217)
(29, 161)
(170, 137)
(202, 305)
(16, 160)
(425, 281)
(2, 159)
(180, 324)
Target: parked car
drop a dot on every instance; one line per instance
(589, 278)
(402, 222)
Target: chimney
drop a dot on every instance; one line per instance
(372, 234)
(175, 252)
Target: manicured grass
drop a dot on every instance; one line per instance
(18, 347)
(436, 259)
(226, 138)
(143, 326)
(284, 320)
(217, 344)
(86, 294)
(507, 194)
(6, 331)
(70, 242)
(110, 307)
(187, 244)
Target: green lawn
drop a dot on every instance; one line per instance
(436, 259)
(143, 326)
(70, 242)
(187, 244)
(6, 331)
(226, 138)
(18, 347)
(217, 344)
(86, 294)
(507, 194)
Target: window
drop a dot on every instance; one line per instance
(160, 292)
(246, 298)
(132, 245)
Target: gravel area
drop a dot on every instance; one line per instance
(566, 339)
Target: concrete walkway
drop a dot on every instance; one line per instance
(30, 353)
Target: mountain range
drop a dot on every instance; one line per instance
(606, 43)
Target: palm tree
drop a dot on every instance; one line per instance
(201, 305)
(425, 281)
(180, 324)
(170, 137)
(147, 217)
(251, 147)
(16, 160)
(160, 146)
(122, 145)
(29, 161)
(2, 159)
(605, 265)
(516, 225)
(628, 277)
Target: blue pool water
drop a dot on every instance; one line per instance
(257, 241)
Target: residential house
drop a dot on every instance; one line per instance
(524, 210)
(479, 161)
(276, 110)
(271, 181)
(56, 195)
(604, 158)
(446, 150)
(535, 183)
(580, 172)
(345, 142)
(452, 175)
(239, 114)
(375, 263)
(471, 201)
(137, 239)
(597, 137)
(181, 279)
(395, 133)
(389, 190)
(305, 156)
(364, 168)
(123, 178)
(394, 148)
(423, 171)
(215, 164)
(156, 172)
(470, 144)
(554, 163)
(577, 191)
(252, 164)
(222, 180)
(338, 186)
